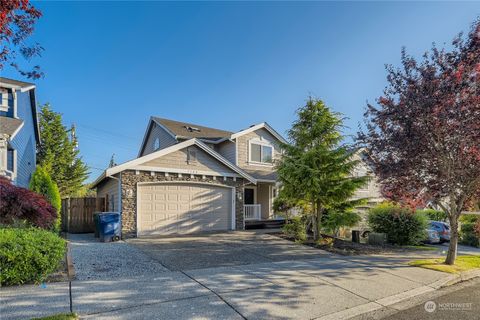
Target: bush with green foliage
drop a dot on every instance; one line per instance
(43, 184)
(334, 220)
(434, 215)
(402, 225)
(28, 255)
(469, 232)
(295, 228)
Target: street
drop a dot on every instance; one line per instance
(459, 304)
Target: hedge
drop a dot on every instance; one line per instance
(28, 255)
(402, 225)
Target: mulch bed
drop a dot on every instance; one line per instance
(348, 248)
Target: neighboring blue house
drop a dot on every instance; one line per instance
(19, 131)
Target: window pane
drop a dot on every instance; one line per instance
(255, 156)
(10, 160)
(266, 154)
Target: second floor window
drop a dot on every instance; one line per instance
(261, 153)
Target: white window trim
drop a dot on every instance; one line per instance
(262, 143)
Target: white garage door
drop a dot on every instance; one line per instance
(182, 208)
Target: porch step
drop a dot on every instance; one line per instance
(264, 224)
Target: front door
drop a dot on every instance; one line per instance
(249, 196)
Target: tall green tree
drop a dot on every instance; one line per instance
(316, 166)
(43, 184)
(58, 153)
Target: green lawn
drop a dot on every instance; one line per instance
(62, 316)
(462, 263)
(421, 247)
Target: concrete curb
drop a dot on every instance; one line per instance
(70, 267)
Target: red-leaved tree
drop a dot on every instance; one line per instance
(20, 204)
(424, 133)
(17, 21)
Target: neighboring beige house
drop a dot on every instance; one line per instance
(190, 178)
(371, 190)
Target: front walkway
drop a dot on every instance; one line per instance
(320, 287)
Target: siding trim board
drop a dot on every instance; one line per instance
(186, 171)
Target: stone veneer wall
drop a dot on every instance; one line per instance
(130, 179)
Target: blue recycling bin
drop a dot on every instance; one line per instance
(109, 226)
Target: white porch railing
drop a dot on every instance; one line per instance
(252, 211)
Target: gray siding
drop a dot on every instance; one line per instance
(243, 153)
(109, 187)
(178, 160)
(24, 142)
(227, 150)
(264, 198)
(166, 140)
(372, 189)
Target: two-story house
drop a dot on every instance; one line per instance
(190, 178)
(19, 131)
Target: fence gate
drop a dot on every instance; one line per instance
(77, 213)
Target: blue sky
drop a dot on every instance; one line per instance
(111, 65)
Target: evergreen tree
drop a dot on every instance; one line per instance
(316, 167)
(43, 184)
(58, 153)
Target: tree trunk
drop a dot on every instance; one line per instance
(314, 223)
(318, 213)
(452, 248)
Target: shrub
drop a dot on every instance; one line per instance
(28, 255)
(434, 215)
(470, 231)
(43, 184)
(19, 204)
(401, 224)
(295, 228)
(334, 220)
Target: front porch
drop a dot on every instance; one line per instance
(258, 206)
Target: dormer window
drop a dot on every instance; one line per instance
(261, 152)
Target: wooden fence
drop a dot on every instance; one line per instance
(77, 214)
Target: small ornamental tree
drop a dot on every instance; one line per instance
(41, 183)
(22, 205)
(424, 134)
(17, 21)
(316, 167)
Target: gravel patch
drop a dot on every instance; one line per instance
(94, 260)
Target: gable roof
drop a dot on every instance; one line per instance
(133, 163)
(185, 130)
(24, 87)
(15, 84)
(262, 125)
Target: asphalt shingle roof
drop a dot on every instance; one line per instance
(189, 130)
(9, 125)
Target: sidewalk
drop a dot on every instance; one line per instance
(326, 288)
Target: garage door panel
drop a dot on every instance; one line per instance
(176, 208)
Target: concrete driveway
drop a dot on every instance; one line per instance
(222, 276)
(222, 250)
